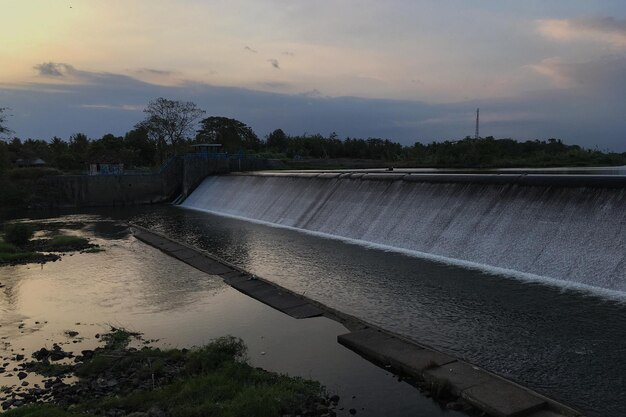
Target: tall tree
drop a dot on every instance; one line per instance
(3, 119)
(231, 133)
(170, 122)
(277, 140)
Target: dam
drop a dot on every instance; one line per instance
(570, 229)
(522, 275)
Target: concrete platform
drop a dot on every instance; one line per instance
(486, 391)
(261, 290)
(388, 350)
(502, 399)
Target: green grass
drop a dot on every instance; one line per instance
(41, 411)
(7, 247)
(93, 250)
(213, 380)
(235, 389)
(216, 382)
(18, 257)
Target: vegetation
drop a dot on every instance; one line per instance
(214, 380)
(169, 128)
(42, 411)
(18, 233)
(234, 135)
(3, 119)
(169, 122)
(18, 247)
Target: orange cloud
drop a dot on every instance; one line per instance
(608, 30)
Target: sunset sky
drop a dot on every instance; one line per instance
(405, 70)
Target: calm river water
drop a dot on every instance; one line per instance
(135, 286)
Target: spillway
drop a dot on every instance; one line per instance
(565, 229)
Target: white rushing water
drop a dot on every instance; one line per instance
(576, 235)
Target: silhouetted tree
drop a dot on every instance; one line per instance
(4, 158)
(232, 134)
(144, 149)
(170, 122)
(3, 119)
(277, 140)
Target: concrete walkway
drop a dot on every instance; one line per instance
(486, 391)
(267, 293)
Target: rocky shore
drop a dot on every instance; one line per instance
(127, 377)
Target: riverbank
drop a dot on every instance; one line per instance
(133, 285)
(117, 379)
(457, 383)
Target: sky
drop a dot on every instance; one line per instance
(406, 70)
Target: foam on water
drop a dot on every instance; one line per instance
(566, 236)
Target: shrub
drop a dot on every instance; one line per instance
(17, 233)
(32, 173)
(7, 248)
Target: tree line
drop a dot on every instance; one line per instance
(170, 126)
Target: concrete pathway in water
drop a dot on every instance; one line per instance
(488, 392)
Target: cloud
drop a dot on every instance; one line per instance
(152, 71)
(274, 63)
(606, 30)
(247, 48)
(276, 84)
(55, 69)
(125, 107)
(312, 93)
(605, 76)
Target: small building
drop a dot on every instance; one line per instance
(34, 162)
(106, 168)
(206, 148)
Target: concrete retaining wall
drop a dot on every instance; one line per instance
(197, 169)
(115, 190)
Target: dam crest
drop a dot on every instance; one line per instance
(567, 230)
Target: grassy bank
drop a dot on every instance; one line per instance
(213, 380)
(18, 247)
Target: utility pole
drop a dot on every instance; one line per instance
(477, 124)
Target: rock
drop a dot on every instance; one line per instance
(334, 399)
(19, 357)
(41, 354)
(352, 411)
(156, 412)
(21, 375)
(24, 383)
(71, 333)
(87, 354)
(137, 414)
(453, 405)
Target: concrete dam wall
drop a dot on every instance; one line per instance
(567, 230)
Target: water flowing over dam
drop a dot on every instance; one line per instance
(569, 230)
